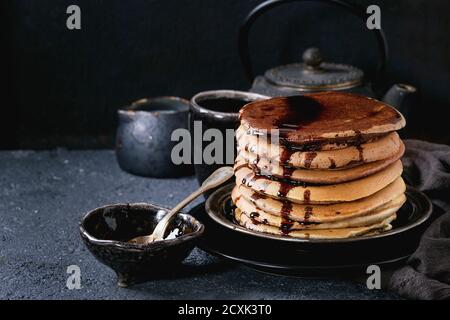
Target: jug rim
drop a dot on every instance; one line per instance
(224, 93)
(133, 107)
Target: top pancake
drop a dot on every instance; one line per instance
(321, 117)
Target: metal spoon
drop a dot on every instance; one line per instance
(215, 179)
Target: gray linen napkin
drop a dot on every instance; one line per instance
(427, 272)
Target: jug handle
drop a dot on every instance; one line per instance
(262, 8)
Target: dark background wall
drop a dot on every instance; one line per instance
(63, 87)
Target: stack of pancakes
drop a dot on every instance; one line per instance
(318, 166)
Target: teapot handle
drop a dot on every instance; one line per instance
(270, 4)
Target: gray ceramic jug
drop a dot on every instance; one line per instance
(143, 140)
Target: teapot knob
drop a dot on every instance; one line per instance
(312, 57)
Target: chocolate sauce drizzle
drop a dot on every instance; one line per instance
(236, 169)
(358, 145)
(307, 196)
(256, 196)
(253, 217)
(332, 163)
(308, 209)
(294, 117)
(309, 157)
(361, 152)
(264, 184)
(245, 180)
(254, 165)
(286, 223)
(284, 189)
(287, 172)
(286, 208)
(285, 155)
(308, 214)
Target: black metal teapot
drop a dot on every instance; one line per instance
(313, 74)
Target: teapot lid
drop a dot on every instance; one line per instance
(314, 74)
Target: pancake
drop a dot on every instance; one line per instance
(322, 213)
(379, 214)
(318, 166)
(341, 233)
(321, 117)
(322, 194)
(385, 147)
(266, 167)
(324, 146)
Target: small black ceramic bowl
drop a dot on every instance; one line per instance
(106, 230)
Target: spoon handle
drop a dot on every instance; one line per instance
(215, 179)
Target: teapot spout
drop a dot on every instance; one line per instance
(397, 96)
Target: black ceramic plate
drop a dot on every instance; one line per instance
(284, 255)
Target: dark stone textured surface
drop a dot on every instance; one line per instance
(44, 194)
